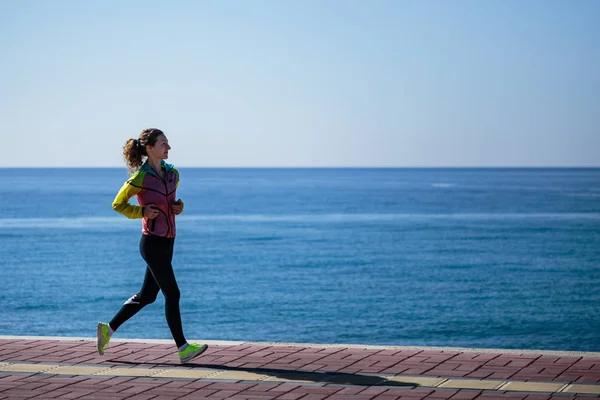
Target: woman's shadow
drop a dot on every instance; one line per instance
(340, 378)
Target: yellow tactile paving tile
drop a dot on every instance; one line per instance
(77, 370)
(22, 367)
(472, 384)
(532, 387)
(583, 389)
(187, 373)
(241, 376)
(136, 372)
(416, 380)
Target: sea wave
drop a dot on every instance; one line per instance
(118, 222)
(316, 218)
(66, 223)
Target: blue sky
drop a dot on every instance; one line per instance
(303, 83)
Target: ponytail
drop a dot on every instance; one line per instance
(132, 153)
(134, 150)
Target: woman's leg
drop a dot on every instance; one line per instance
(146, 295)
(158, 252)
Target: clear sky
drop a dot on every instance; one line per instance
(302, 83)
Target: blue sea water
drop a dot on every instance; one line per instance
(498, 258)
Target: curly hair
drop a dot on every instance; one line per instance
(134, 150)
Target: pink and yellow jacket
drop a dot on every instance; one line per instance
(149, 188)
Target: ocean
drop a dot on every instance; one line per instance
(487, 258)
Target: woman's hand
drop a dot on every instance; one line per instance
(177, 207)
(150, 211)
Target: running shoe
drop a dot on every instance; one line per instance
(191, 351)
(103, 336)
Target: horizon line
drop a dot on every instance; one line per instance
(325, 167)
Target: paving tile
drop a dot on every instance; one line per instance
(160, 391)
(230, 386)
(418, 370)
(241, 376)
(142, 396)
(466, 395)
(441, 394)
(589, 379)
(186, 373)
(16, 377)
(537, 397)
(21, 367)
(103, 396)
(472, 384)
(532, 386)
(290, 396)
(60, 381)
(198, 384)
(374, 391)
(222, 394)
(283, 388)
(262, 396)
(448, 374)
(389, 368)
(315, 397)
(312, 367)
(25, 393)
(411, 394)
(416, 380)
(486, 396)
(130, 372)
(349, 379)
(583, 389)
(77, 370)
(32, 385)
(198, 394)
(322, 390)
(299, 377)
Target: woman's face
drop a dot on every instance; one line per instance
(160, 150)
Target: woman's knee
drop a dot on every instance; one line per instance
(149, 299)
(172, 295)
(142, 299)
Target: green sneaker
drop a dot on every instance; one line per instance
(193, 350)
(103, 336)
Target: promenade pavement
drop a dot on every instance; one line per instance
(70, 368)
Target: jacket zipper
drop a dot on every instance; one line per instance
(168, 214)
(166, 194)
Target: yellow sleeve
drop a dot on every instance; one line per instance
(121, 203)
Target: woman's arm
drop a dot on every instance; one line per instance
(121, 203)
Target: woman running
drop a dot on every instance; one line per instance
(154, 183)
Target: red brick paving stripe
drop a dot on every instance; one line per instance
(467, 395)
(198, 394)
(142, 397)
(527, 366)
(446, 373)
(250, 391)
(312, 367)
(283, 388)
(230, 386)
(290, 396)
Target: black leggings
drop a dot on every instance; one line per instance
(158, 254)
